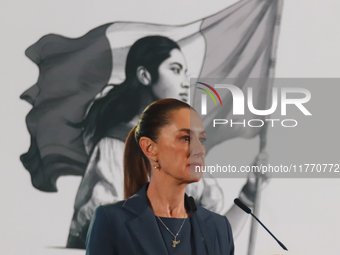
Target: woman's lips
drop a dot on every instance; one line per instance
(195, 164)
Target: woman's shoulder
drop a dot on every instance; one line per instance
(107, 211)
(112, 209)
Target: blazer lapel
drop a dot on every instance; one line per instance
(147, 234)
(203, 221)
(143, 228)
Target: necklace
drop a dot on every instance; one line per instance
(174, 242)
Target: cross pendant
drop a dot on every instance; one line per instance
(174, 242)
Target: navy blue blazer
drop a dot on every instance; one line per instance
(129, 227)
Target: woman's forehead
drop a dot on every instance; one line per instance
(176, 56)
(186, 119)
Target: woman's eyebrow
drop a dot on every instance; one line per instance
(185, 130)
(190, 131)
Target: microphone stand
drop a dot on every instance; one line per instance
(247, 210)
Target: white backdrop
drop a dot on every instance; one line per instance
(303, 213)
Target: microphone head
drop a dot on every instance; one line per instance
(242, 206)
(192, 204)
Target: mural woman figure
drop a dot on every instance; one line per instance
(155, 69)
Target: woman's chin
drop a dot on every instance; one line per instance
(194, 180)
(194, 174)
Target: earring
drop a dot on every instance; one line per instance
(156, 165)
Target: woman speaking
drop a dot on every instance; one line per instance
(160, 158)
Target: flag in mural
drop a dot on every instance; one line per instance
(238, 42)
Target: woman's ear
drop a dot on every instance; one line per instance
(143, 76)
(149, 148)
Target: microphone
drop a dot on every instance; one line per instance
(193, 208)
(245, 208)
(242, 206)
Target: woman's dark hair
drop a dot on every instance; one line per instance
(136, 165)
(123, 102)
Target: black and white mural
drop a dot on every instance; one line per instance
(71, 62)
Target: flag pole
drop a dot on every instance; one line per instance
(258, 184)
(263, 132)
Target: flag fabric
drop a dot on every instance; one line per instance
(239, 42)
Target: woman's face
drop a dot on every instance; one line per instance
(172, 81)
(180, 146)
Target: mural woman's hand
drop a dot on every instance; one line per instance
(248, 192)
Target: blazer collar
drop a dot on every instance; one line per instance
(144, 226)
(138, 202)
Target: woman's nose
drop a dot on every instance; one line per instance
(197, 148)
(185, 84)
(186, 80)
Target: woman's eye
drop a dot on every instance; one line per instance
(185, 138)
(203, 140)
(176, 70)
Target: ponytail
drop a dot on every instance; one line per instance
(136, 166)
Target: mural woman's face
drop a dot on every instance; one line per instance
(173, 81)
